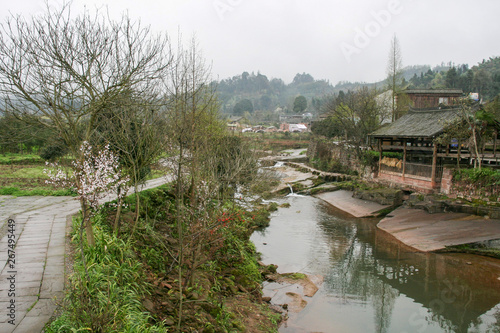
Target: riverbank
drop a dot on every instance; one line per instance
(371, 280)
(423, 230)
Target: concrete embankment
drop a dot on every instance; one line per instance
(431, 232)
(416, 228)
(343, 200)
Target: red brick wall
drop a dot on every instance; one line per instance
(414, 183)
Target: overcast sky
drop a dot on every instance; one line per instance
(329, 39)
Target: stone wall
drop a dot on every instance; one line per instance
(447, 180)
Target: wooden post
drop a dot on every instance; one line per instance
(404, 159)
(495, 144)
(459, 150)
(434, 166)
(380, 155)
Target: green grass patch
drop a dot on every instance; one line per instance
(485, 176)
(28, 180)
(10, 158)
(109, 298)
(295, 276)
(23, 172)
(15, 191)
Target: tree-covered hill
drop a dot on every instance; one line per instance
(269, 94)
(484, 78)
(259, 95)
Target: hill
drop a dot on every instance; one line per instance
(267, 98)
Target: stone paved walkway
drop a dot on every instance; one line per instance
(33, 285)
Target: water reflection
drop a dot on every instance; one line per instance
(374, 283)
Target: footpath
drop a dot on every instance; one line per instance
(32, 257)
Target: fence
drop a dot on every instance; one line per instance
(413, 169)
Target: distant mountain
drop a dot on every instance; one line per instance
(268, 95)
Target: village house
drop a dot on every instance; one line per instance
(295, 122)
(233, 123)
(292, 128)
(433, 98)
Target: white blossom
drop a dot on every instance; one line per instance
(93, 177)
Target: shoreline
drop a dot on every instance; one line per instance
(416, 228)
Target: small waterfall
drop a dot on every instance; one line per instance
(291, 194)
(279, 164)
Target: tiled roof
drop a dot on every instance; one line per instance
(421, 123)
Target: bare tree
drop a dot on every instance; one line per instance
(192, 118)
(356, 114)
(135, 127)
(394, 72)
(66, 69)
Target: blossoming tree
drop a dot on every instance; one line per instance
(94, 176)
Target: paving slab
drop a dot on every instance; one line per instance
(40, 231)
(431, 232)
(343, 200)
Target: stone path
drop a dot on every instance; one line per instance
(430, 232)
(33, 285)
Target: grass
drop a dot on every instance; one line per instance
(132, 282)
(14, 191)
(109, 298)
(22, 175)
(473, 249)
(27, 180)
(11, 158)
(295, 276)
(17, 171)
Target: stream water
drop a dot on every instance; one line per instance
(373, 283)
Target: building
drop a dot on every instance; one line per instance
(418, 161)
(433, 98)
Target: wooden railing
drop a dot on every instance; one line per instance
(414, 169)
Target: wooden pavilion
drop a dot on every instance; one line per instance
(418, 161)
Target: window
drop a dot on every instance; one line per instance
(443, 100)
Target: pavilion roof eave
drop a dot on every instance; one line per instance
(401, 137)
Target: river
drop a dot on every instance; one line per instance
(373, 283)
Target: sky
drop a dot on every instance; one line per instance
(329, 39)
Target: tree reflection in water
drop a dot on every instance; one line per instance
(367, 271)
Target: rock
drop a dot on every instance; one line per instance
(169, 321)
(266, 299)
(148, 305)
(297, 303)
(383, 196)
